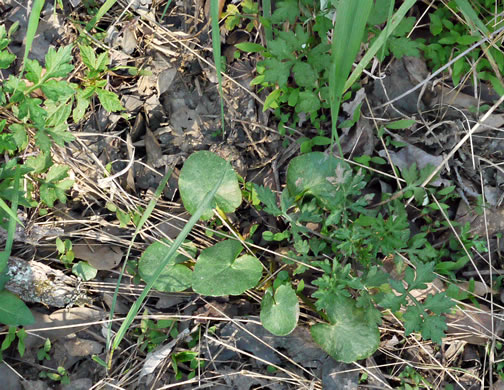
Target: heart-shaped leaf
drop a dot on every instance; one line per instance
(352, 334)
(198, 176)
(175, 277)
(280, 313)
(219, 271)
(314, 174)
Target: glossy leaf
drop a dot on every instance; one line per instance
(219, 271)
(174, 276)
(13, 311)
(280, 313)
(199, 175)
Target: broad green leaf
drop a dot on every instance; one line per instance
(109, 100)
(271, 99)
(174, 277)
(309, 173)
(6, 59)
(13, 311)
(198, 176)
(57, 172)
(351, 334)
(57, 90)
(280, 313)
(205, 202)
(33, 71)
(58, 62)
(219, 271)
(304, 75)
(308, 102)
(84, 270)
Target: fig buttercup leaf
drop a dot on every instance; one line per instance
(280, 312)
(175, 277)
(219, 271)
(352, 334)
(310, 174)
(200, 173)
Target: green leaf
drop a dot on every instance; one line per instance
(88, 56)
(280, 313)
(57, 90)
(6, 59)
(109, 100)
(271, 100)
(250, 47)
(267, 196)
(403, 46)
(56, 173)
(277, 71)
(219, 271)
(400, 124)
(58, 62)
(433, 328)
(198, 176)
(174, 277)
(13, 311)
(287, 10)
(304, 75)
(33, 71)
(84, 270)
(308, 102)
(308, 173)
(438, 303)
(350, 335)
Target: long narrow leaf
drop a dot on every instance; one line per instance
(216, 45)
(172, 251)
(102, 11)
(145, 217)
(380, 41)
(11, 229)
(351, 21)
(31, 30)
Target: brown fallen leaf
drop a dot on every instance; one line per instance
(100, 255)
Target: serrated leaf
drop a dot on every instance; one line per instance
(351, 335)
(31, 107)
(57, 172)
(304, 75)
(88, 56)
(267, 196)
(277, 71)
(174, 277)
(438, 303)
(13, 311)
(33, 71)
(58, 62)
(412, 320)
(433, 328)
(102, 61)
(57, 90)
(219, 271)
(280, 313)
(308, 102)
(109, 100)
(198, 176)
(287, 10)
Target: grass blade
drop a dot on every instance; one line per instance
(380, 41)
(145, 216)
(31, 30)
(11, 228)
(351, 21)
(216, 46)
(102, 11)
(173, 250)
